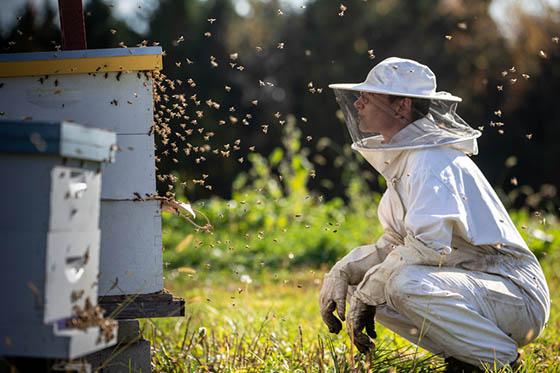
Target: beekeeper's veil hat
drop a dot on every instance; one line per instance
(440, 125)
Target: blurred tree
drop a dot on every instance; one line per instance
(105, 31)
(531, 115)
(32, 32)
(323, 45)
(193, 35)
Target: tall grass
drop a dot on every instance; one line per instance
(272, 324)
(269, 321)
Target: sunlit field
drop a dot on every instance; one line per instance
(270, 321)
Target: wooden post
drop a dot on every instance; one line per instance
(72, 24)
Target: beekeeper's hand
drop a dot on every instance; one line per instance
(350, 270)
(361, 316)
(333, 297)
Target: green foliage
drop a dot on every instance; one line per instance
(273, 219)
(540, 232)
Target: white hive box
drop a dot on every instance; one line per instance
(132, 249)
(50, 235)
(109, 89)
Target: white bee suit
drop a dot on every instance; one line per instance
(451, 272)
(456, 277)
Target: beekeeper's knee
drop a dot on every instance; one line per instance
(402, 286)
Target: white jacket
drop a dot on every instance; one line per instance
(443, 212)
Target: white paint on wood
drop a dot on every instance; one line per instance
(123, 103)
(74, 200)
(131, 252)
(72, 264)
(47, 341)
(133, 171)
(124, 106)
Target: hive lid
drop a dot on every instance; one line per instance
(80, 61)
(64, 139)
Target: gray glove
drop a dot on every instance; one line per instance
(361, 316)
(333, 296)
(350, 271)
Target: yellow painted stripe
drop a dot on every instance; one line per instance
(81, 65)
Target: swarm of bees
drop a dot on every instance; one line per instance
(89, 316)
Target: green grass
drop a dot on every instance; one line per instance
(270, 324)
(273, 324)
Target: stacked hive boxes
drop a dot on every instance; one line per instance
(50, 239)
(109, 89)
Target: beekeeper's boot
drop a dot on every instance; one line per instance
(457, 366)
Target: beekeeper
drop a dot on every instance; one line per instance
(451, 273)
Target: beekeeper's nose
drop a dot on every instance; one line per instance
(359, 103)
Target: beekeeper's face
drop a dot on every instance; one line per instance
(378, 113)
(374, 112)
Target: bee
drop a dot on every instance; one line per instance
(76, 295)
(115, 284)
(343, 8)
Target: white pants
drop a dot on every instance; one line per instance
(475, 317)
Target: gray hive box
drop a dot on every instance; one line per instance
(110, 89)
(50, 203)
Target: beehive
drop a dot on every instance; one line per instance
(109, 89)
(50, 236)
